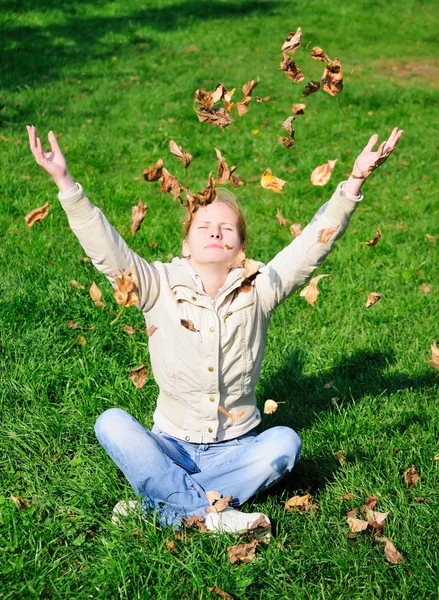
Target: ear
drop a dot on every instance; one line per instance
(185, 249)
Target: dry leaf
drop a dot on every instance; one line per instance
(242, 106)
(71, 324)
(189, 325)
(311, 88)
(310, 292)
(207, 196)
(411, 477)
(341, 457)
(195, 522)
(434, 362)
(139, 376)
(126, 291)
(420, 499)
(270, 182)
(20, 502)
(348, 496)
(322, 174)
(287, 142)
(130, 330)
(251, 269)
(181, 154)
(223, 169)
(300, 503)
(234, 179)
(229, 414)
(326, 234)
(287, 126)
(430, 238)
(154, 173)
(219, 504)
(374, 241)
(212, 496)
(298, 109)
(291, 69)
(37, 214)
(242, 552)
(264, 99)
(220, 593)
(96, 295)
(214, 116)
(170, 184)
(151, 330)
(280, 218)
(293, 41)
(76, 285)
(170, 545)
(138, 213)
(392, 554)
(248, 87)
(372, 299)
(332, 80)
(376, 519)
(356, 525)
(296, 229)
(319, 54)
(426, 288)
(370, 503)
(270, 406)
(227, 99)
(81, 340)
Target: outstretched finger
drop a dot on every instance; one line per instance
(39, 150)
(371, 143)
(53, 142)
(381, 149)
(32, 132)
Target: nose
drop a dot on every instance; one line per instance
(216, 234)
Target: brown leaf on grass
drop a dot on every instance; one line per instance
(287, 142)
(214, 116)
(293, 41)
(248, 87)
(195, 522)
(430, 238)
(221, 593)
(332, 80)
(170, 184)
(77, 285)
(420, 499)
(129, 330)
(372, 299)
(71, 324)
(138, 213)
(348, 496)
(219, 504)
(126, 291)
(223, 169)
(322, 174)
(81, 340)
(426, 288)
(311, 88)
(242, 552)
(181, 154)
(300, 503)
(291, 70)
(356, 525)
(96, 295)
(374, 240)
(154, 173)
(242, 106)
(370, 503)
(411, 477)
(434, 362)
(311, 291)
(270, 406)
(326, 234)
(270, 182)
(341, 457)
(287, 126)
(37, 214)
(212, 496)
(296, 229)
(170, 545)
(151, 330)
(392, 554)
(229, 414)
(318, 54)
(189, 325)
(280, 218)
(264, 99)
(139, 376)
(298, 109)
(20, 502)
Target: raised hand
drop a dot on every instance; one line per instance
(53, 162)
(369, 160)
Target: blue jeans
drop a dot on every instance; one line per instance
(173, 476)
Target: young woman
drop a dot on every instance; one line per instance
(207, 339)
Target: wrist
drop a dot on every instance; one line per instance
(65, 183)
(353, 185)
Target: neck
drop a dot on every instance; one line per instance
(213, 276)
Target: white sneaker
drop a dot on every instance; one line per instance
(231, 520)
(122, 509)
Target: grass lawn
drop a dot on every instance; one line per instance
(115, 81)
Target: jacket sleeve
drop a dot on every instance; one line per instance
(293, 266)
(107, 250)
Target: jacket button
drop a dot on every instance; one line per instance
(212, 399)
(187, 438)
(194, 298)
(175, 292)
(212, 329)
(211, 369)
(210, 430)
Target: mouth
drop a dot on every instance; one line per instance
(214, 246)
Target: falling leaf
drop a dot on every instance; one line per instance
(430, 238)
(310, 292)
(280, 218)
(221, 593)
(411, 477)
(189, 325)
(234, 179)
(154, 173)
(434, 362)
(170, 184)
(341, 457)
(326, 234)
(296, 229)
(332, 80)
(230, 415)
(138, 213)
(287, 125)
(298, 109)
(205, 98)
(195, 522)
(242, 552)
(322, 174)
(374, 240)
(151, 330)
(293, 41)
(287, 142)
(356, 525)
(311, 88)
(319, 54)
(181, 154)
(300, 503)
(227, 99)
(37, 214)
(96, 295)
(426, 288)
(223, 169)
(373, 298)
(20, 502)
(130, 330)
(214, 116)
(219, 504)
(242, 106)
(392, 554)
(76, 285)
(126, 291)
(270, 406)
(248, 87)
(291, 69)
(139, 376)
(270, 182)
(170, 545)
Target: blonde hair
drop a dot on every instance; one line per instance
(225, 197)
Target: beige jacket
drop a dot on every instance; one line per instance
(219, 364)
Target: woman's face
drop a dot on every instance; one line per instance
(213, 236)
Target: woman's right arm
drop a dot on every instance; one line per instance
(100, 241)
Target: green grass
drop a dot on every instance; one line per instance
(117, 81)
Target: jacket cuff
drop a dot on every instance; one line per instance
(77, 206)
(342, 205)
